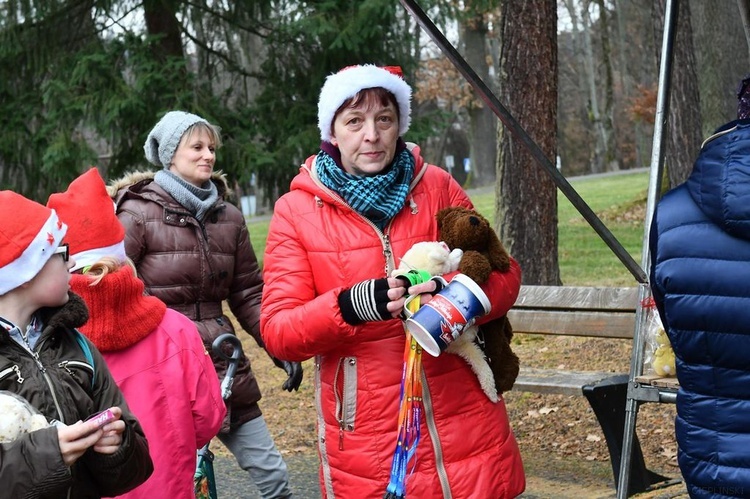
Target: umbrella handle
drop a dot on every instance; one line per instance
(233, 360)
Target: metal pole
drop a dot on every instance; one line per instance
(671, 13)
(520, 134)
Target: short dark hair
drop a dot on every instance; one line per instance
(369, 96)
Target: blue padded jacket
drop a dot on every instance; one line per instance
(700, 278)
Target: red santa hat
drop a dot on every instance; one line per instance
(95, 231)
(29, 236)
(347, 83)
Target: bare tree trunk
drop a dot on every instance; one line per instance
(744, 6)
(482, 121)
(161, 19)
(598, 151)
(570, 6)
(684, 125)
(611, 160)
(719, 75)
(626, 80)
(526, 197)
(574, 111)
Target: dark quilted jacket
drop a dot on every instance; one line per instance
(31, 466)
(194, 267)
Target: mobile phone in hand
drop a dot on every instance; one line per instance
(102, 418)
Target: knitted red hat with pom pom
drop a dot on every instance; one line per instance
(94, 230)
(29, 236)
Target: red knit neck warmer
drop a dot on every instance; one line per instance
(120, 315)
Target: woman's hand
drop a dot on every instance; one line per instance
(372, 300)
(426, 290)
(396, 296)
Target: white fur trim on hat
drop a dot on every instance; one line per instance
(90, 257)
(39, 250)
(163, 139)
(345, 84)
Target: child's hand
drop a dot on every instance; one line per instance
(75, 439)
(111, 438)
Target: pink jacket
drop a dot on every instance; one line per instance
(164, 372)
(174, 392)
(317, 246)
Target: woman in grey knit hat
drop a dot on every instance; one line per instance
(192, 249)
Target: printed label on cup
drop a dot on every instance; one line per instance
(443, 319)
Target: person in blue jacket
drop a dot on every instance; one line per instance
(700, 279)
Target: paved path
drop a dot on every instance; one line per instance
(233, 483)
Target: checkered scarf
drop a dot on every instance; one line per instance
(378, 198)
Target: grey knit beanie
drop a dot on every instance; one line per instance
(164, 138)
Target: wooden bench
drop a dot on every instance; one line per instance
(592, 312)
(596, 312)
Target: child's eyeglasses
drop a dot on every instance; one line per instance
(64, 251)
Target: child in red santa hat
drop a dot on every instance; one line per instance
(44, 360)
(155, 354)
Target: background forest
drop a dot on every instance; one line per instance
(82, 82)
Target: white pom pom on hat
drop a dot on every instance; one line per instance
(345, 84)
(29, 235)
(163, 139)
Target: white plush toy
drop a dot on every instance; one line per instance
(436, 258)
(17, 416)
(433, 256)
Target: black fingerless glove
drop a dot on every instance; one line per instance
(365, 302)
(440, 283)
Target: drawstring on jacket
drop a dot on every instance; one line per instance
(413, 205)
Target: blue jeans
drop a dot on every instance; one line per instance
(256, 453)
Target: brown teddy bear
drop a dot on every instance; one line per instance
(483, 252)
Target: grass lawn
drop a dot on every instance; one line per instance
(620, 202)
(584, 258)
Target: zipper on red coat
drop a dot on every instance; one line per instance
(387, 253)
(382, 234)
(339, 403)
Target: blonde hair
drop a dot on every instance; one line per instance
(213, 131)
(107, 264)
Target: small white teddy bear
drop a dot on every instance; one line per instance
(433, 256)
(17, 416)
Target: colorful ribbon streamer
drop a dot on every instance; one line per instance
(409, 415)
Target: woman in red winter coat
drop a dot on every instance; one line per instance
(352, 212)
(155, 354)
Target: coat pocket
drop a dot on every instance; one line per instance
(11, 373)
(81, 371)
(345, 392)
